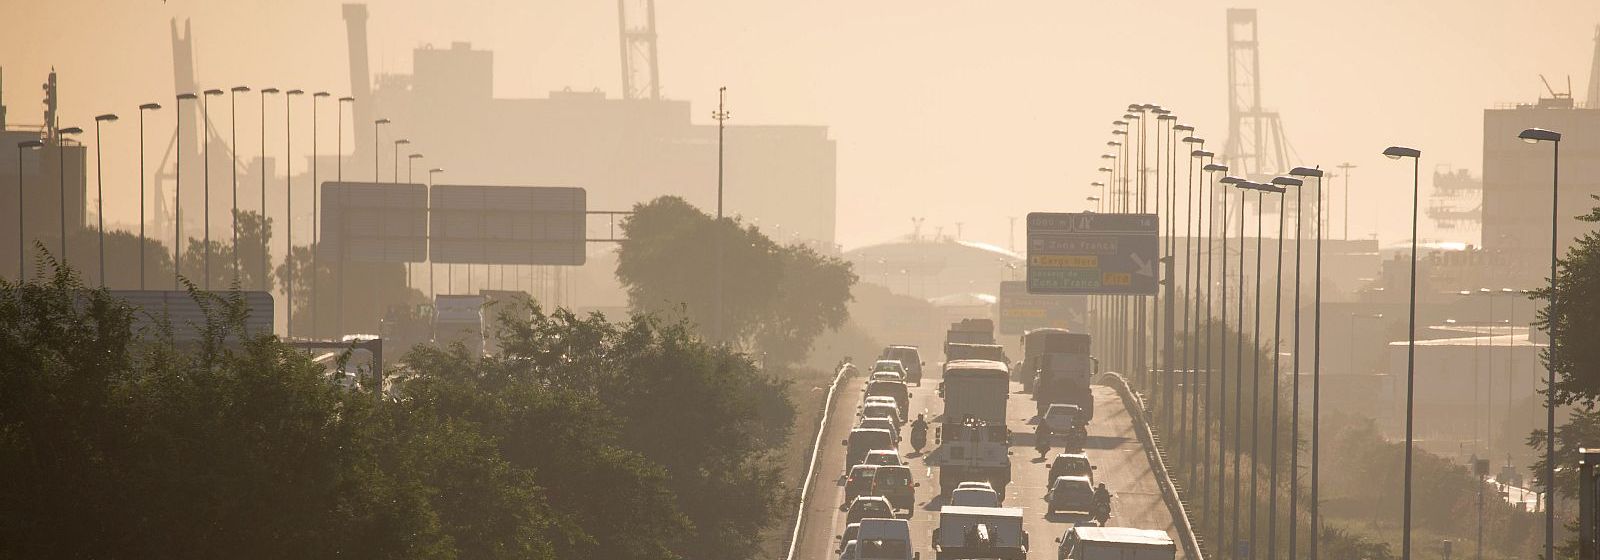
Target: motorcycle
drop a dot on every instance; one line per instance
(1102, 511)
(919, 437)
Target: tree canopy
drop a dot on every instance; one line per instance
(777, 299)
(583, 439)
(1573, 323)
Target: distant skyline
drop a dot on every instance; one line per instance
(956, 112)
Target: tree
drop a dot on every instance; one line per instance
(776, 299)
(254, 233)
(1574, 322)
(706, 415)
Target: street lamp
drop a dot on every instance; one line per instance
(316, 193)
(205, 167)
(23, 145)
(1397, 152)
(1238, 369)
(233, 150)
(397, 144)
(1316, 358)
(61, 176)
(431, 173)
(142, 109)
(99, 191)
(265, 246)
(1255, 358)
(288, 210)
(410, 163)
(177, 196)
(1095, 199)
(1280, 184)
(339, 153)
(1534, 136)
(1211, 169)
(375, 141)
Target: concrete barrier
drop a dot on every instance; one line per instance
(1169, 492)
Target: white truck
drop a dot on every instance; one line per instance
(884, 539)
(458, 318)
(980, 532)
(1116, 543)
(972, 439)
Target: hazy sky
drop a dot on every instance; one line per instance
(957, 111)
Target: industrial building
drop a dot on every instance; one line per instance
(49, 176)
(1517, 184)
(623, 150)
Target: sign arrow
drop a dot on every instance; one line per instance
(1144, 266)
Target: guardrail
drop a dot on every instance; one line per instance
(1169, 492)
(816, 454)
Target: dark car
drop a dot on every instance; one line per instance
(910, 358)
(859, 482)
(894, 389)
(895, 484)
(863, 440)
(1072, 464)
(866, 507)
(1070, 494)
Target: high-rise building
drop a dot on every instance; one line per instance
(1517, 184)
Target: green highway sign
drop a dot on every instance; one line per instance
(1092, 254)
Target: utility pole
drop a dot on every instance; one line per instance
(721, 115)
(1344, 169)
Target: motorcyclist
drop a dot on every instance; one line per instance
(919, 433)
(1041, 439)
(1102, 503)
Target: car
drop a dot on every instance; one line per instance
(851, 550)
(883, 457)
(866, 507)
(879, 399)
(849, 535)
(862, 440)
(1072, 464)
(894, 389)
(974, 497)
(909, 357)
(1070, 494)
(885, 539)
(885, 410)
(889, 365)
(881, 422)
(886, 376)
(894, 483)
(976, 484)
(859, 482)
(1061, 418)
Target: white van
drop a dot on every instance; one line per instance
(884, 539)
(1116, 543)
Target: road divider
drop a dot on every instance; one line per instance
(1169, 492)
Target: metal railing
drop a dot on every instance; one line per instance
(816, 455)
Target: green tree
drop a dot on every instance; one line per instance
(708, 416)
(1574, 322)
(776, 299)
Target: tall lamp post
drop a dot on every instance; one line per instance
(411, 161)
(1534, 136)
(1281, 184)
(1095, 200)
(266, 267)
(1238, 377)
(1211, 170)
(205, 157)
(233, 150)
(288, 210)
(22, 269)
(396, 171)
(61, 177)
(99, 191)
(316, 194)
(721, 115)
(431, 293)
(177, 196)
(142, 109)
(1302, 173)
(376, 133)
(1397, 152)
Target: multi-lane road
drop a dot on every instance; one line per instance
(1112, 446)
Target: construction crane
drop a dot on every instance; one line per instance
(1256, 147)
(636, 22)
(1593, 102)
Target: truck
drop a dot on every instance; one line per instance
(1059, 365)
(980, 532)
(957, 351)
(1115, 543)
(968, 331)
(459, 318)
(972, 442)
(884, 539)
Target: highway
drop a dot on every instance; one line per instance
(1112, 446)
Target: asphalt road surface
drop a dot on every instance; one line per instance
(1112, 446)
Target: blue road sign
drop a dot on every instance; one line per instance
(1090, 253)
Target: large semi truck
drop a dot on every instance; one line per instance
(980, 532)
(459, 318)
(1059, 367)
(968, 331)
(972, 438)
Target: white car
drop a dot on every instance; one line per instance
(883, 457)
(974, 497)
(880, 399)
(881, 422)
(884, 410)
(887, 376)
(976, 484)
